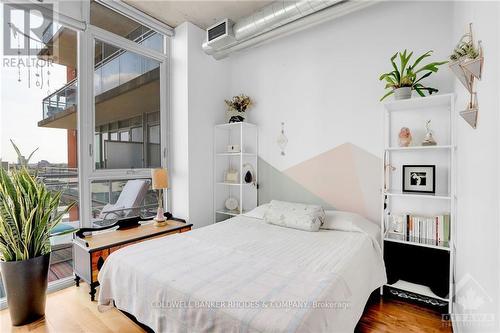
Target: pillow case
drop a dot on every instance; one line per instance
(347, 221)
(258, 212)
(295, 215)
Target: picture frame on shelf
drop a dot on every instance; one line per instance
(419, 179)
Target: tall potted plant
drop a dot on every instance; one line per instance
(28, 212)
(407, 77)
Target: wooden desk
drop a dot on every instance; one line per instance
(91, 252)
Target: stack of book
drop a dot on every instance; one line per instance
(430, 230)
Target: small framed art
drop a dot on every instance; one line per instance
(419, 179)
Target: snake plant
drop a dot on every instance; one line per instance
(409, 75)
(28, 212)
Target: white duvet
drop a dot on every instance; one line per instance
(244, 275)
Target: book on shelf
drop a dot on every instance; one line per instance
(430, 230)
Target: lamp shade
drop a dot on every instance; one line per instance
(159, 178)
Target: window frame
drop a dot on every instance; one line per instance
(86, 122)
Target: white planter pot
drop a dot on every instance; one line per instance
(402, 93)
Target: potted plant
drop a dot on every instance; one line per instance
(236, 108)
(28, 212)
(407, 77)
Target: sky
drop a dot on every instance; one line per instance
(21, 110)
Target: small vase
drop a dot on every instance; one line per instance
(233, 116)
(402, 93)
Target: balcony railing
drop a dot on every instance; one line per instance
(114, 70)
(60, 100)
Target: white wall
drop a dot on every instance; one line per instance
(199, 85)
(478, 156)
(323, 82)
(208, 87)
(179, 107)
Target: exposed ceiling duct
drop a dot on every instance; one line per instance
(275, 20)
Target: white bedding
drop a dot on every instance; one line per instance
(259, 278)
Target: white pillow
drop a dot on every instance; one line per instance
(347, 221)
(258, 212)
(317, 210)
(295, 215)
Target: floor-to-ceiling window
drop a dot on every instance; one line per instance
(38, 114)
(128, 113)
(91, 99)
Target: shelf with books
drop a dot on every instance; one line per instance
(426, 243)
(396, 164)
(429, 231)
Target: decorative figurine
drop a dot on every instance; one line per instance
(404, 137)
(428, 139)
(282, 140)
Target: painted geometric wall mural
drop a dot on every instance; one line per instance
(274, 184)
(345, 177)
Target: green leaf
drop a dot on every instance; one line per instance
(419, 92)
(419, 59)
(28, 211)
(388, 94)
(423, 77)
(396, 70)
(404, 61)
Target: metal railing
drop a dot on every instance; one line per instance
(60, 100)
(115, 69)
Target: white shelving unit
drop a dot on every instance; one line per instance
(246, 136)
(413, 113)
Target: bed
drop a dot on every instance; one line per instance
(245, 275)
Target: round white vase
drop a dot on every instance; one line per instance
(402, 93)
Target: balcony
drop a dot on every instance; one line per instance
(120, 78)
(61, 100)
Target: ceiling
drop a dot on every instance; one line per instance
(201, 13)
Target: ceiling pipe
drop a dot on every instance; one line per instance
(277, 14)
(276, 28)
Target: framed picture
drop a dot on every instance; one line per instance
(419, 178)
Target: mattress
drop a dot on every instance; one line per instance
(244, 275)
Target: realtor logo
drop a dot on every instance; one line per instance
(24, 28)
(471, 299)
(470, 295)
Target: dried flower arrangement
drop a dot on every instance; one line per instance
(239, 103)
(236, 108)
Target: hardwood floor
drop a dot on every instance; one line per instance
(390, 315)
(70, 310)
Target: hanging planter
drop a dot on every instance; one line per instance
(467, 65)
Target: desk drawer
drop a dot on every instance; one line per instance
(97, 260)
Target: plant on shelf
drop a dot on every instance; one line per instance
(237, 106)
(407, 77)
(28, 213)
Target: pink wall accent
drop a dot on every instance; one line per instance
(346, 176)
